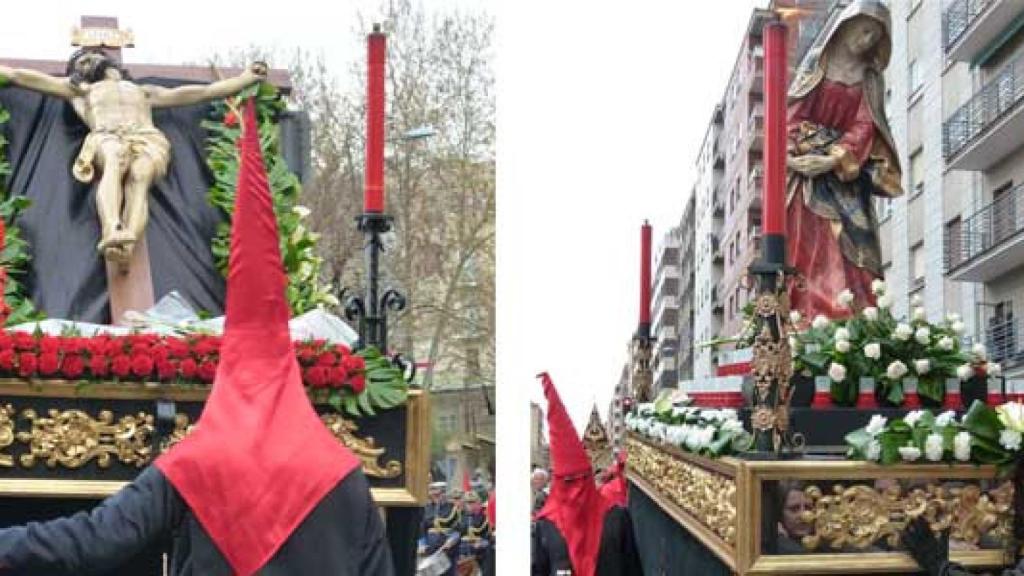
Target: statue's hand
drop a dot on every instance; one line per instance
(811, 164)
(258, 70)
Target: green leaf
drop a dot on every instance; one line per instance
(982, 421)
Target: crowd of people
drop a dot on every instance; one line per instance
(457, 532)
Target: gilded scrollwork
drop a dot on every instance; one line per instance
(707, 496)
(7, 414)
(72, 439)
(364, 448)
(182, 428)
(859, 515)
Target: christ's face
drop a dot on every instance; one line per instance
(95, 66)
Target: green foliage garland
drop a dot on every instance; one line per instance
(14, 258)
(298, 243)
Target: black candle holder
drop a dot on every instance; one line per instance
(371, 309)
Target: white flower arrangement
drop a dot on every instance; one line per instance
(1010, 439)
(896, 370)
(922, 366)
(923, 335)
(845, 298)
(820, 322)
(873, 350)
(842, 333)
(962, 446)
(871, 313)
(876, 425)
(837, 372)
(884, 302)
(933, 447)
(708, 431)
(903, 332)
(964, 372)
(912, 417)
(842, 346)
(909, 453)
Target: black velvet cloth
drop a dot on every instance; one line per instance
(617, 556)
(666, 547)
(342, 536)
(68, 278)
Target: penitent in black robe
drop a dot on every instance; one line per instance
(618, 555)
(342, 536)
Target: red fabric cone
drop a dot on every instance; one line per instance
(259, 459)
(615, 490)
(491, 510)
(574, 504)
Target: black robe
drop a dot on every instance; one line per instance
(617, 556)
(342, 536)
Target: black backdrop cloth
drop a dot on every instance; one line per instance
(67, 277)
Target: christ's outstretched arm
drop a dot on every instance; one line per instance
(32, 80)
(160, 97)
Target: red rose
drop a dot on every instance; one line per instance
(353, 364)
(24, 341)
(357, 384)
(141, 349)
(166, 369)
(73, 366)
(6, 340)
(7, 359)
(27, 364)
(49, 363)
(316, 376)
(231, 119)
(98, 366)
(49, 344)
(207, 345)
(113, 347)
(326, 359)
(177, 348)
(121, 365)
(68, 345)
(307, 354)
(189, 368)
(207, 370)
(336, 376)
(160, 353)
(342, 350)
(142, 365)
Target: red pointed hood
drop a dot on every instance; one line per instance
(259, 459)
(574, 504)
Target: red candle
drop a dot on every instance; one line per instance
(774, 128)
(373, 191)
(645, 275)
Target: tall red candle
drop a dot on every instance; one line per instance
(645, 277)
(373, 191)
(774, 128)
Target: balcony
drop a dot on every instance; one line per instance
(969, 27)
(755, 70)
(666, 273)
(1004, 344)
(716, 250)
(988, 127)
(718, 153)
(989, 243)
(755, 128)
(661, 307)
(717, 307)
(665, 334)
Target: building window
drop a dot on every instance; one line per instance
(917, 265)
(954, 244)
(915, 79)
(916, 172)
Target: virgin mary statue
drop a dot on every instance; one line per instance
(841, 154)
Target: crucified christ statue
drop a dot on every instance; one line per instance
(123, 144)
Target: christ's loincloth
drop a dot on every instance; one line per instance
(135, 143)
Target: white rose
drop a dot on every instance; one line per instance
(964, 372)
(945, 419)
(979, 351)
(1011, 415)
(896, 370)
(946, 343)
(301, 211)
(837, 372)
(952, 317)
(903, 332)
(845, 298)
(933, 447)
(732, 426)
(795, 317)
(1010, 439)
(693, 439)
(910, 453)
(871, 313)
(873, 350)
(922, 366)
(876, 425)
(923, 335)
(957, 327)
(843, 346)
(873, 451)
(842, 334)
(794, 342)
(995, 369)
(912, 417)
(878, 286)
(884, 302)
(820, 322)
(962, 446)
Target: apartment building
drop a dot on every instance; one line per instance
(665, 319)
(687, 239)
(708, 256)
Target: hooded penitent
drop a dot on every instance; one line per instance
(574, 504)
(615, 489)
(831, 226)
(259, 459)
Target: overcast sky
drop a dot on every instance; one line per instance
(602, 111)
